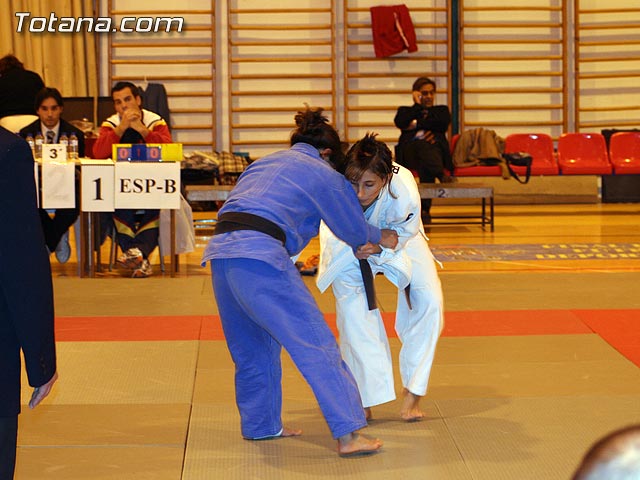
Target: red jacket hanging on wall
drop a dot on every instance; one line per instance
(392, 30)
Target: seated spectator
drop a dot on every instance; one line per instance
(423, 146)
(137, 234)
(18, 89)
(614, 457)
(49, 107)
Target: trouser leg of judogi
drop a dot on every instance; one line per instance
(262, 308)
(363, 340)
(256, 355)
(419, 328)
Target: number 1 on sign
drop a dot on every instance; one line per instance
(98, 182)
(97, 188)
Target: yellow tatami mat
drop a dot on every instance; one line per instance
(101, 463)
(123, 373)
(538, 360)
(498, 407)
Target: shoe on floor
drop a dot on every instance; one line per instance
(143, 271)
(132, 258)
(63, 249)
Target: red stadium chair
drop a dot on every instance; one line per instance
(539, 146)
(583, 154)
(624, 152)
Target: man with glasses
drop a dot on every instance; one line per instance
(423, 146)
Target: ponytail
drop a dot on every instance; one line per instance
(314, 129)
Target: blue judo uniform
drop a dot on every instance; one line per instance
(264, 305)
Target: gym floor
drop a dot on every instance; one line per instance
(539, 357)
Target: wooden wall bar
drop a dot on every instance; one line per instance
(236, 79)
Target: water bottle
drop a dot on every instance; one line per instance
(73, 146)
(38, 145)
(32, 144)
(64, 141)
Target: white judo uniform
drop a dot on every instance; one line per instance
(363, 340)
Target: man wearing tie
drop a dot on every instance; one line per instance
(49, 106)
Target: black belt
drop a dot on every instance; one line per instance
(233, 221)
(369, 288)
(367, 279)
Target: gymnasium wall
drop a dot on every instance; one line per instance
(240, 69)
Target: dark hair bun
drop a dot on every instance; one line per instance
(310, 119)
(368, 145)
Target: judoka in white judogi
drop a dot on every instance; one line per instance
(363, 341)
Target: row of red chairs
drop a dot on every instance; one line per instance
(578, 154)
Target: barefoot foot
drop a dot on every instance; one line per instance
(410, 410)
(354, 444)
(290, 432)
(285, 432)
(367, 414)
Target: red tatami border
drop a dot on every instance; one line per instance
(617, 327)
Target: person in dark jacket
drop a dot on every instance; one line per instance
(423, 146)
(26, 295)
(49, 107)
(18, 90)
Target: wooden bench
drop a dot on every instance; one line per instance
(213, 193)
(462, 190)
(207, 193)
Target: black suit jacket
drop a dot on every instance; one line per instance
(26, 291)
(435, 119)
(65, 126)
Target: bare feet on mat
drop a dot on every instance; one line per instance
(285, 432)
(290, 432)
(355, 443)
(410, 410)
